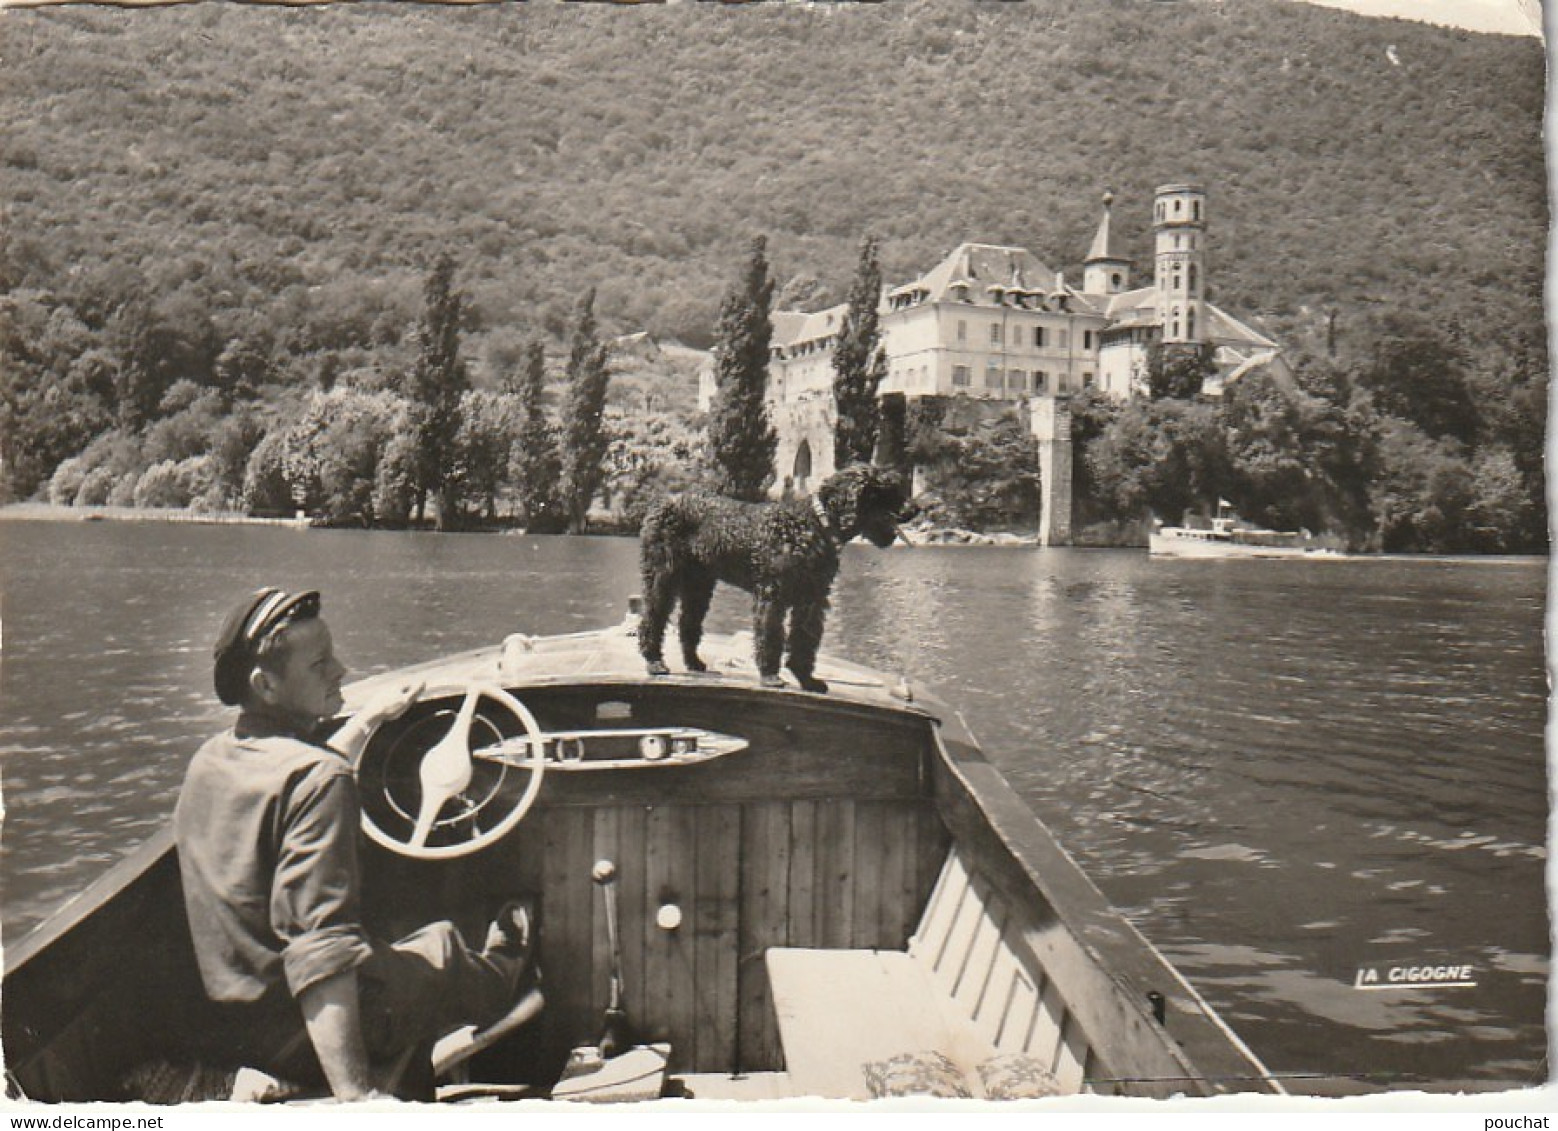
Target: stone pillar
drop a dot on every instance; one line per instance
(1050, 421)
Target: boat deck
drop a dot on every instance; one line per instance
(611, 656)
(859, 834)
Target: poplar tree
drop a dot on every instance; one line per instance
(434, 388)
(740, 437)
(859, 364)
(584, 438)
(535, 463)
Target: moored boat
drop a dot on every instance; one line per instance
(785, 894)
(1227, 537)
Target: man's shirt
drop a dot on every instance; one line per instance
(267, 830)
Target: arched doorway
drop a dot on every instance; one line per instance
(801, 469)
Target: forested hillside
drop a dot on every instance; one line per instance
(257, 193)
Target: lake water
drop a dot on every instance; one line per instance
(1283, 772)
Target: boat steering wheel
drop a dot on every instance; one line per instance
(453, 794)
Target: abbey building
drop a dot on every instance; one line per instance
(994, 323)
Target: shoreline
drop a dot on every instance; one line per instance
(937, 538)
(55, 512)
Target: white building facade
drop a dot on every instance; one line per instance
(994, 323)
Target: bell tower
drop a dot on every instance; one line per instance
(1106, 271)
(1179, 224)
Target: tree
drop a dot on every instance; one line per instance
(1418, 375)
(1165, 456)
(1179, 371)
(859, 364)
(1269, 434)
(1326, 427)
(1424, 491)
(434, 388)
(236, 437)
(157, 347)
(172, 483)
(243, 366)
(652, 454)
(534, 464)
(740, 437)
(1499, 519)
(394, 483)
(53, 399)
(330, 459)
(1091, 411)
(584, 438)
(489, 427)
(986, 478)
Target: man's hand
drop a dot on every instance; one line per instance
(388, 704)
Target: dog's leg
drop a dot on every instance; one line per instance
(806, 623)
(697, 591)
(768, 638)
(659, 599)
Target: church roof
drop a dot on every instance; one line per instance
(1105, 246)
(1225, 327)
(1139, 307)
(1132, 308)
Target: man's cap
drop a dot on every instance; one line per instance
(256, 617)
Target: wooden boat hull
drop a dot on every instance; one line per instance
(1177, 543)
(840, 830)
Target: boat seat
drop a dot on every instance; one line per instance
(960, 1011)
(846, 1014)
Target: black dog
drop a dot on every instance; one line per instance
(785, 554)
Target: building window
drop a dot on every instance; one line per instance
(962, 330)
(1087, 339)
(1060, 383)
(1038, 336)
(1115, 280)
(960, 376)
(1017, 380)
(1190, 323)
(1040, 381)
(995, 333)
(1060, 339)
(1192, 279)
(1176, 207)
(1195, 209)
(992, 376)
(1087, 380)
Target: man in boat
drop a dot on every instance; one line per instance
(267, 825)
